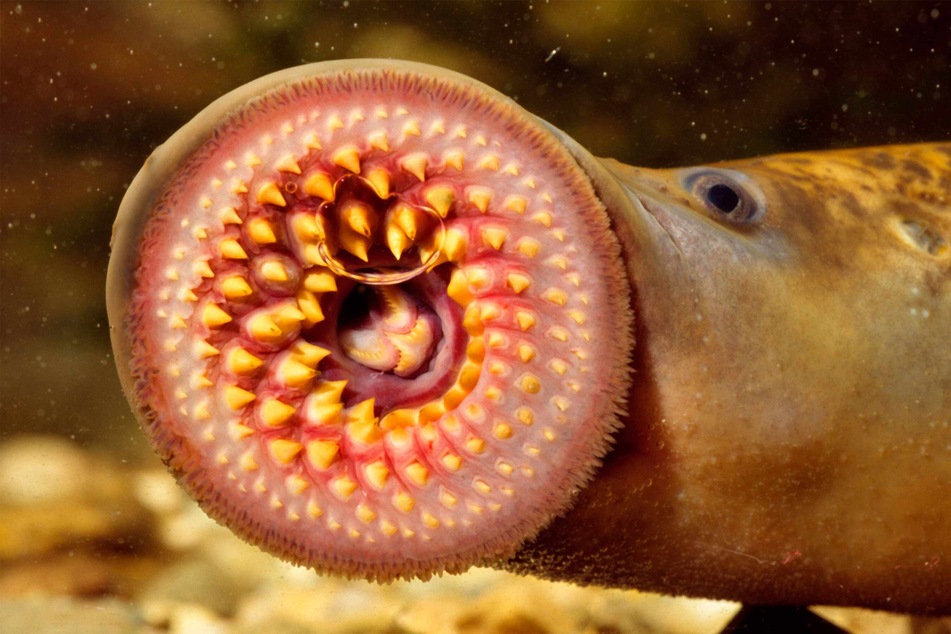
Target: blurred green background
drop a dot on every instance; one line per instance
(87, 90)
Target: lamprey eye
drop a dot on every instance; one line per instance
(373, 318)
(727, 194)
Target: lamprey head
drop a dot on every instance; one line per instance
(372, 317)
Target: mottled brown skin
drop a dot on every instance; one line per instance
(789, 429)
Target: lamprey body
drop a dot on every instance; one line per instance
(382, 322)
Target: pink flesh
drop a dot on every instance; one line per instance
(471, 478)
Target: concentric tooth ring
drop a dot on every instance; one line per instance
(377, 357)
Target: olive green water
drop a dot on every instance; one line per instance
(93, 534)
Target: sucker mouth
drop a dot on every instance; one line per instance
(361, 319)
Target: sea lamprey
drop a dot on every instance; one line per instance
(382, 322)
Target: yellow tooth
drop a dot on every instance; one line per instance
(320, 281)
(377, 473)
(365, 514)
(273, 271)
(305, 227)
(275, 413)
(406, 218)
(235, 287)
(270, 194)
(494, 237)
(328, 391)
(469, 375)
(472, 320)
(311, 142)
(347, 157)
(178, 323)
(478, 277)
(454, 245)
(440, 198)
(355, 243)
(240, 432)
(559, 366)
(377, 141)
(296, 374)
(239, 186)
(525, 352)
(288, 313)
(213, 316)
(229, 216)
(362, 412)
(231, 250)
(431, 411)
(411, 128)
(364, 432)
(296, 484)
(396, 240)
(452, 461)
(415, 164)
(261, 231)
(556, 296)
(476, 349)
(322, 453)
(529, 247)
(525, 320)
(558, 261)
(240, 361)
(236, 398)
(543, 218)
(310, 306)
(379, 180)
(458, 288)
(202, 269)
(204, 349)
(359, 218)
(475, 445)
(399, 418)
(558, 334)
(518, 204)
(308, 354)
(320, 185)
(490, 162)
(454, 159)
(247, 462)
(577, 317)
(403, 501)
(334, 122)
(525, 415)
(322, 413)
(518, 282)
(417, 473)
(480, 197)
(502, 431)
(288, 164)
(530, 384)
(263, 328)
(497, 340)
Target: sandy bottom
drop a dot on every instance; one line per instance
(89, 544)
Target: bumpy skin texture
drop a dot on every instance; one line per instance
(789, 436)
(372, 317)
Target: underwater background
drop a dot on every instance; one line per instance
(93, 533)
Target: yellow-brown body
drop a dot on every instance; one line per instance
(789, 430)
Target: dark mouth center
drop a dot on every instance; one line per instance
(398, 344)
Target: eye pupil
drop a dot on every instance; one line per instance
(723, 197)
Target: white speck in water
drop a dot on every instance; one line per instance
(925, 313)
(913, 311)
(915, 291)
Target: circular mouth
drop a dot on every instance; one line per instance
(373, 319)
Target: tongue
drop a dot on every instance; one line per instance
(406, 350)
(398, 335)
